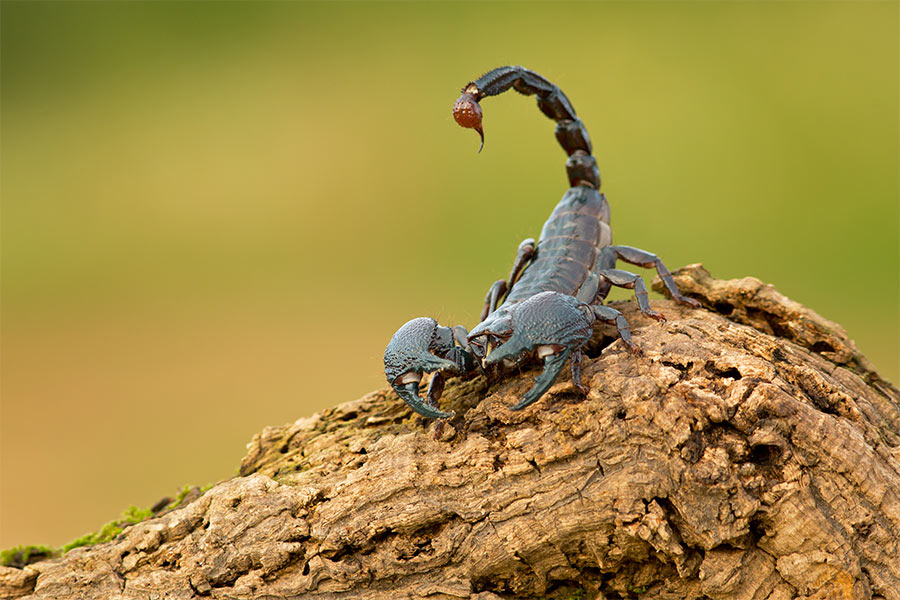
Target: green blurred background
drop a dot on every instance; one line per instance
(214, 215)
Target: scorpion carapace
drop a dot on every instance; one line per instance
(554, 293)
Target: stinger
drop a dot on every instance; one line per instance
(467, 111)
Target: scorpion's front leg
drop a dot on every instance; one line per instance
(524, 254)
(498, 290)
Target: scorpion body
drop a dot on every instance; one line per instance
(555, 290)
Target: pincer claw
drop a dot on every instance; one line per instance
(410, 394)
(422, 346)
(550, 324)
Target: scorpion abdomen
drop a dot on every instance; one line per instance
(569, 246)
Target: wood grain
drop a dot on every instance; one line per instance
(750, 453)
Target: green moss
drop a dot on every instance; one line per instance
(638, 590)
(567, 592)
(25, 555)
(111, 530)
(179, 498)
(133, 514)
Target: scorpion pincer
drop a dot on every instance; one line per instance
(555, 291)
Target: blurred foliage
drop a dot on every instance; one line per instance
(214, 215)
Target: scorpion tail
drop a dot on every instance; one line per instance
(571, 134)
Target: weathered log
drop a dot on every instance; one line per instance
(750, 453)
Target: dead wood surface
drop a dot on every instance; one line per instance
(750, 453)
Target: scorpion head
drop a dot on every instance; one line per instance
(422, 346)
(550, 324)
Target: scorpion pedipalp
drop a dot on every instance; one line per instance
(422, 346)
(551, 324)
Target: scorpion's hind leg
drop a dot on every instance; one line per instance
(648, 260)
(608, 314)
(634, 282)
(602, 275)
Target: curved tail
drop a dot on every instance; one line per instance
(581, 167)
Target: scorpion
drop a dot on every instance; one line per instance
(556, 288)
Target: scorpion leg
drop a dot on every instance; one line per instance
(492, 298)
(648, 260)
(553, 364)
(576, 372)
(608, 314)
(524, 254)
(634, 282)
(496, 292)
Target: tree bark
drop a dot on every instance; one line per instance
(751, 452)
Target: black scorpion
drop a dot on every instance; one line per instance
(556, 288)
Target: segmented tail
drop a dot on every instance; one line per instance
(581, 167)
